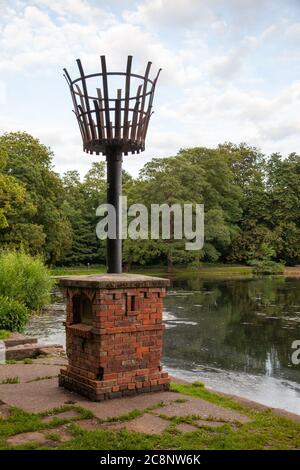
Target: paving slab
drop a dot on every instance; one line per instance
(208, 423)
(26, 438)
(41, 437)
(123, 406)
(62, 432)
(16, 339)
(39, 396)
(26, 372)
(4, 411)
(202, 409)
(147, 424)
(56, 360)
(89, 424)
(43, 395)
(55, 349)
(185, 427)
(70, 415)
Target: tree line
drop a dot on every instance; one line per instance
(251, 202)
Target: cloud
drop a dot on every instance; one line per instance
(33, 41)
(189, 13)
(283, 131)
(293, 31)
(222, 77)
(76, 9)
(170, 13)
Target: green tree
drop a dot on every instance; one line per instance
(81, 201)
(194, 176)
(39, 226)
(12, 193)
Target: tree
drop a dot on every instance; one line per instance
(194, 176)
(29, 163)
(12, 193)
(283, 186)
(81, 202)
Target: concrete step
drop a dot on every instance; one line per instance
(29, 350)
(16, 339)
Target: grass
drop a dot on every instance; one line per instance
(77, 270)
(10, 380)
(207, 270)
(263, 431)
(4, 334)
(27, 360)
(198, 390)
(44, 377)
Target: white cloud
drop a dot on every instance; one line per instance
(77, 8)
(293, 31)
(172, 13)
(213, 87)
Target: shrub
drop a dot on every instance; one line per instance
(25, 279)
(4, 334)
(267, 267)
(13, 314)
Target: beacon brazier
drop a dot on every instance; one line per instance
(114, 323)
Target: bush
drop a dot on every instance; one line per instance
(25, 279)
(4, 334)
(13, 314)
(267, 267)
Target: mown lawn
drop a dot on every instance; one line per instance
(207, 270)
(263, 431)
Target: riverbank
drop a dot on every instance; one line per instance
(205, 271)
(187, 417)
(208, 270)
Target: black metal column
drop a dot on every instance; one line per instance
(114, 193)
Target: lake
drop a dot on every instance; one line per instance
(234, 335)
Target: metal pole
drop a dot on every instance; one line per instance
(114, 192)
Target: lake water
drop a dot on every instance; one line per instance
(234, 335)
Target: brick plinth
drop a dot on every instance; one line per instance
(114, 334)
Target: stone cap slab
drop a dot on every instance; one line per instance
(113, 281)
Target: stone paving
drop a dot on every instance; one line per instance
(201, 408)
(26, 373)
(49, 437)
(147, 424)
(68, 415)
(37, 391)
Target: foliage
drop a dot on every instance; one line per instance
(24, 279)
(4, 334)
(251, 204)
(33, 217)
(13, 314)
(79, 207)
(267, 267)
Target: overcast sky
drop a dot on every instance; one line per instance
(231, 70)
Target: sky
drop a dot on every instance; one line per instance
(230, 71)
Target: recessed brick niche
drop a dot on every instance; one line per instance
(114, 334)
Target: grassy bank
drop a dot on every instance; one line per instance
(208, 270)
(264, 430)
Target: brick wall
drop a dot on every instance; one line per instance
(118, 351)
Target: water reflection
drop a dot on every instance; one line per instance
(237, 336)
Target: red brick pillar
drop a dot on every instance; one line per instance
(114, 334)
